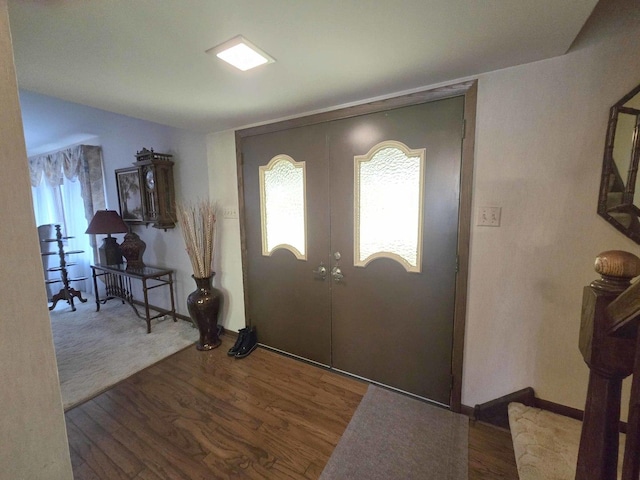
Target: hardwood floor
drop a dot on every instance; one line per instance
(490, 453)
(200, 415)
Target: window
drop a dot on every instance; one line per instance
(388, 189)
(283, 206)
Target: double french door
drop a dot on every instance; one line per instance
(351, 242)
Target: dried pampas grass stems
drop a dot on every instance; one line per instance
(198, 223)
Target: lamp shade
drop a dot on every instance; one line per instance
(107, 221)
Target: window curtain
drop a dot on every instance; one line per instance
(67, 188)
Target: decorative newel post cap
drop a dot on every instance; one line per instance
(617, 263)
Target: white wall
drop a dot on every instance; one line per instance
(539, 146)
(540, 142)
(121, 137)
(224, 190)
(33, 440)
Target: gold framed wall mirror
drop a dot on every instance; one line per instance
(617, 202)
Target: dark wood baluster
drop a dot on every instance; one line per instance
(610, 360)
(631, 464)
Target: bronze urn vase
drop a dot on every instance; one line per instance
(204, 307)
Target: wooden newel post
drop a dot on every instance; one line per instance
(610, 360)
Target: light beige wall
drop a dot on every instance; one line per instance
(539, 145)
(228, 262)
(33, 440)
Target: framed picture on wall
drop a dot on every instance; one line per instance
(129, 183)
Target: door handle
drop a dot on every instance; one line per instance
(337, 275)
(320, 272)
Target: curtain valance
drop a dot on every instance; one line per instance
(54, 165)
(83, 163)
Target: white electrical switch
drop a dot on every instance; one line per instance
(489, 216)
(229, 212)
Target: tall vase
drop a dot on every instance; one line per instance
(204, 306)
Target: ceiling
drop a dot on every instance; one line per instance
(146, 58)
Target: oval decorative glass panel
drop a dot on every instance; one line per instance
(283, 206)
(388, 188)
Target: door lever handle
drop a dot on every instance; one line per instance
(320, 272)
(337, 275)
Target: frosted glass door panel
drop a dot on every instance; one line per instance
(388, 205)
(283, 206)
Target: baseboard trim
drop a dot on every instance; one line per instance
(496, 411)
(559, 409)
(570, 412)
(466, 410)
(499, 405)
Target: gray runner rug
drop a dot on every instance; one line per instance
(393, 436)
(96, 350)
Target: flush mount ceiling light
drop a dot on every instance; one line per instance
(241, 53)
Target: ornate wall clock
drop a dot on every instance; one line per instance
(156, 170)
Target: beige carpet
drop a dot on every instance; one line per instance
(546, 444)
(96, 350)
(393, 436)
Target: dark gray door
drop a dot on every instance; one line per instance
(288, 304)
(390, 325)
(379, 320)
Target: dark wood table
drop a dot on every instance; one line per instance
(117, 279)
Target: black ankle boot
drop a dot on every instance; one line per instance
(249, 344)
(242, 333)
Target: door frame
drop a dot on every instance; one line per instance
(467, 89)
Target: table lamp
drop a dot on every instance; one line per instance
(108, 222)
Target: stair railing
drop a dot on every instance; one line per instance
(610, 345)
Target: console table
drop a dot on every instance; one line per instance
(117, 279)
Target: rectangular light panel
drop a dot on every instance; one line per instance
(241, 53)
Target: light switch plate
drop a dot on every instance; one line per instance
(229, 212)
(489, 216)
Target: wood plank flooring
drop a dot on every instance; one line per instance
(490, 453)
(204, 415)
